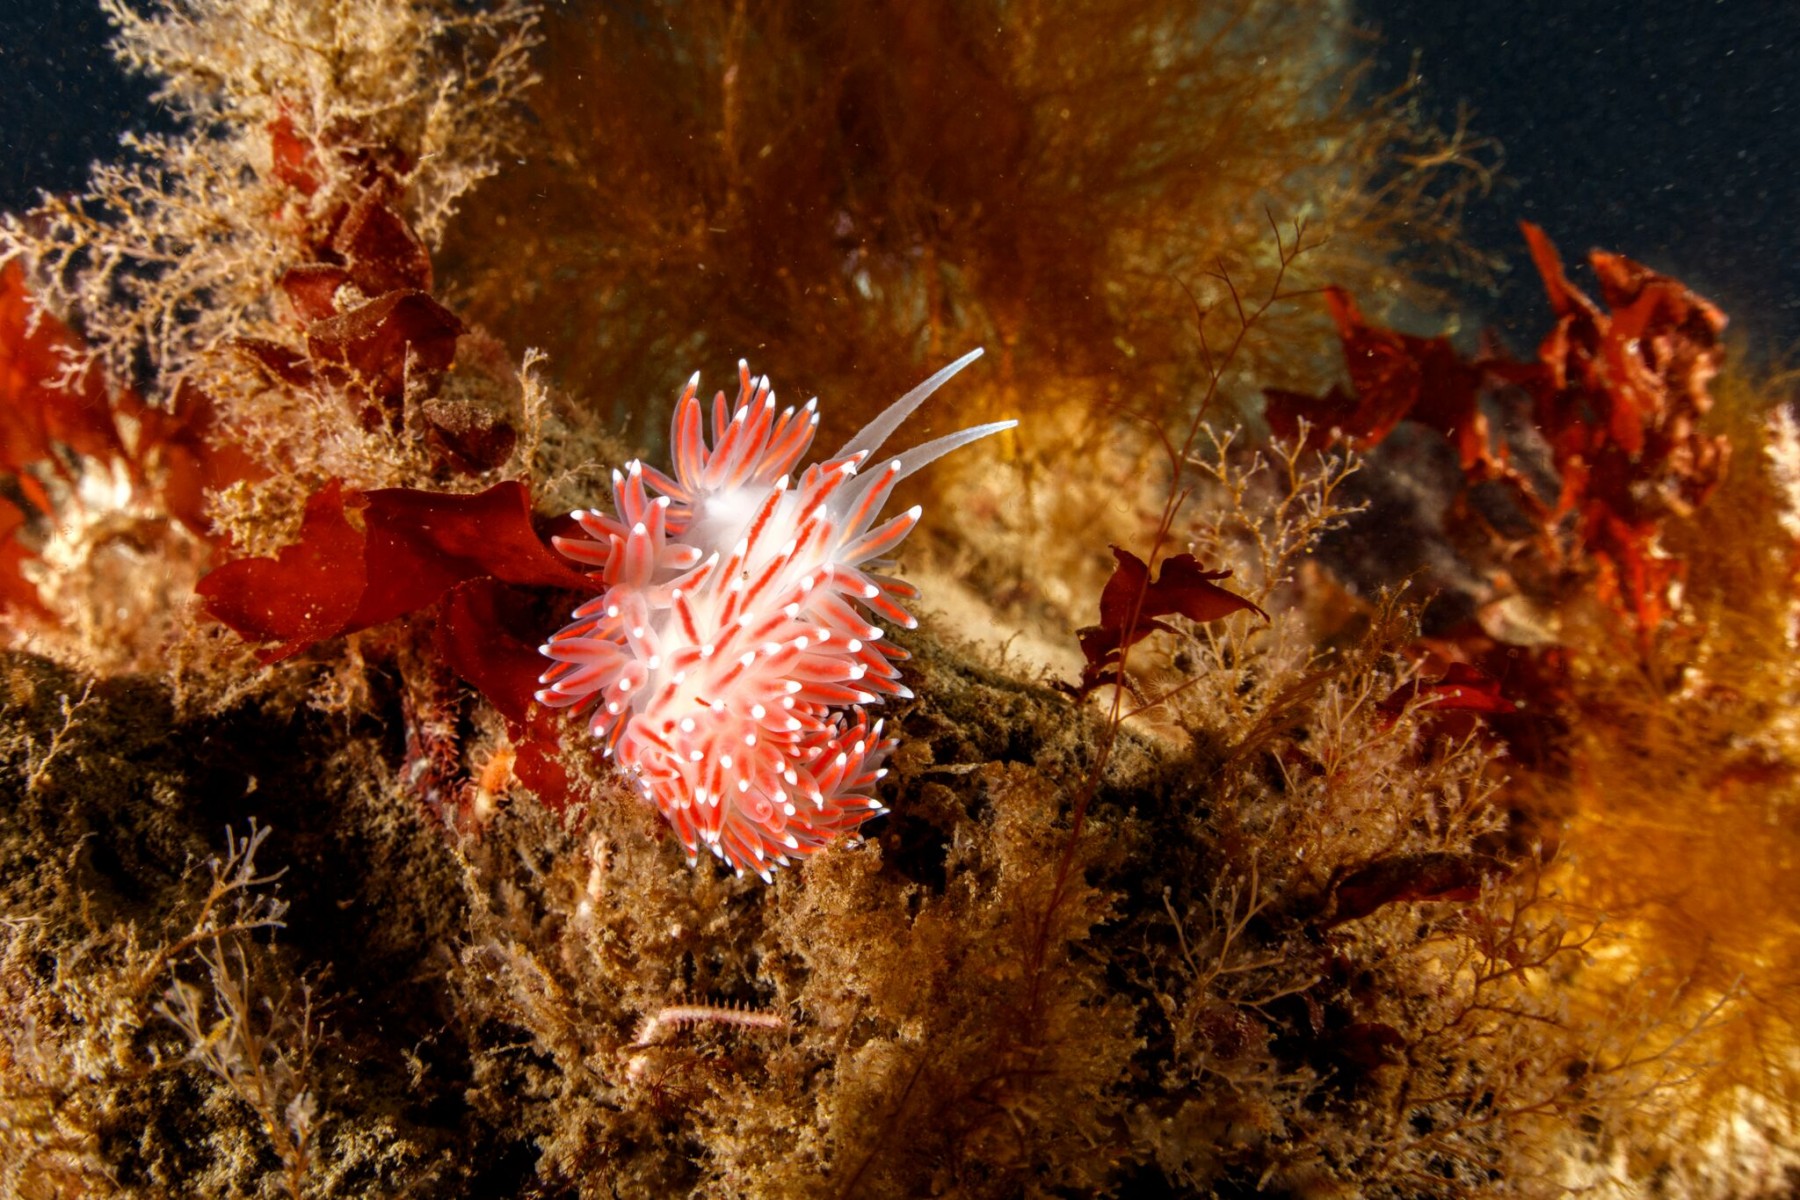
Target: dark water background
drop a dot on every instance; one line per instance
(64, 101)
(1667, 130)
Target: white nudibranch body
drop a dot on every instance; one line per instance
(728, 654)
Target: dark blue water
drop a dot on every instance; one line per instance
(64, 101)
(1667, 130)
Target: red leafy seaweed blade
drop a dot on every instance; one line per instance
(1131, 602)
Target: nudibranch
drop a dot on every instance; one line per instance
(727, 653)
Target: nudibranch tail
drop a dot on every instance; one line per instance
(727, 656)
